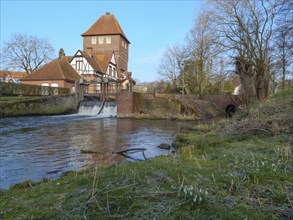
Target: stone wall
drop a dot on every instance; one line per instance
(172, 104)
(45, 105)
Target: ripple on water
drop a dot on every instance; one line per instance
(44, 147)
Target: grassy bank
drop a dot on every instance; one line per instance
(237, 169)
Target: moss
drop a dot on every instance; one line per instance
(37, 105)
(161, 106)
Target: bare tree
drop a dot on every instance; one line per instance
(283, 39)
(169, 68)
(203, 50)
(26, 52)
(246, 30)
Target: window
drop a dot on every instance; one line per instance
(45, 88)
(126, 46)
(98, 88)
(122, 43)
(94, 40)
(114, 72)
(54, 89)
(78, 65)
(110, 70)
(101, 40)
(108, 40)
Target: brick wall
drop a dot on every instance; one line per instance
(128, 103)
(121, 53)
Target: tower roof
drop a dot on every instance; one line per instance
(106, 25)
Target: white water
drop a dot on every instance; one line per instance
(95, 107)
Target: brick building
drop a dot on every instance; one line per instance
(57, 73)
(102, 64)
(106, 35)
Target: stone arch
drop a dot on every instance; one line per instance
(230, 110)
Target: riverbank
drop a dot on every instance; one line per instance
(236, 169)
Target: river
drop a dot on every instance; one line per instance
(32, 148)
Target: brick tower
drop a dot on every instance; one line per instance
(107, 36)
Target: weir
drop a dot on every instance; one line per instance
(127, 103)
(104, 109)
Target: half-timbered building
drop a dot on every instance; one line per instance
(102, 65)
(96, 69)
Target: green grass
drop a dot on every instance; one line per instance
(217, 172)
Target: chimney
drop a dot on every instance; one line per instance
(61, 53)
(108, 13)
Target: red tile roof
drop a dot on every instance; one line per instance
(55, 70)
(98, 61)
(103, 60)
(14, 74)
(92, 61)
(106, 25)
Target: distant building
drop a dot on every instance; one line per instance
(11, 76)
(237, 90)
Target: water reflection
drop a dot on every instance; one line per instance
(44, 147)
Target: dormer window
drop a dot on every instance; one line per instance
(108, 40)
(101, 40)
(94, 40)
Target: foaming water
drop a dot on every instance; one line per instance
(32, 148)
(93, 108)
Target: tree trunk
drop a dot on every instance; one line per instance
(247, 84)
(261, 82)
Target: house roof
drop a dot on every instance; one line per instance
(58, 69)
(103, 60)
(98, 61)
(92, 61)
(14, 74)
(106, 25)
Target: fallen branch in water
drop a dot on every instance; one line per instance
(85, 151)
(122, 152)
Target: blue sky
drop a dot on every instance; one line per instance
(151, 26)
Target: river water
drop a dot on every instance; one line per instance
(32, 148)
